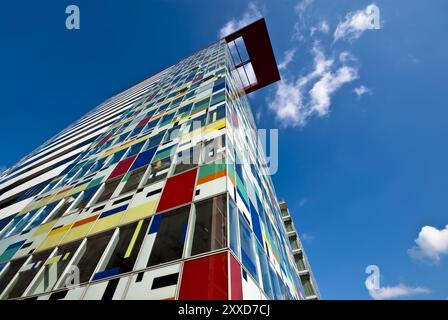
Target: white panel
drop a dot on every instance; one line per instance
(142, 288)
(96, 291)
(250, 289)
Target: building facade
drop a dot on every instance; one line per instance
(161, 192)
(309, 283)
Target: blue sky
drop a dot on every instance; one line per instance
(365, 176)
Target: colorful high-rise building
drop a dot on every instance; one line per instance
(161, 192)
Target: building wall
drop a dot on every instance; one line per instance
(169, 200)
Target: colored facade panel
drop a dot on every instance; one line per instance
(205, 278)
(173, 196)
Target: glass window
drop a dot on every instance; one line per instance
(26, 274)
(54, 268)
(234, 232)
(117, 156)
(109, 189)
(247, 248)
(188, 159)
(88, 257)
(264, 271)
(87, 195)
(217, 114)
(169, 229)
(155, 141)
(214, 150)
(159, 170)
(133, 180)
(7, 275)
(210, 232)
(125, 246)
(64, 207)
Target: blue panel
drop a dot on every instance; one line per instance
(155, 224)
(106, 273)
(113, 211)
(256, 223)
(143, 159)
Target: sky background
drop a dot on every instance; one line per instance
(362, 114)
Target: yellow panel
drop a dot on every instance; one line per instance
(142, 211)
(45, 228)
(53, 239)
(107, 223)
(61, 195)
(78, 189)
(124, 146)
(52, 260)
(133, 240)
(216, 125)
(78, 232)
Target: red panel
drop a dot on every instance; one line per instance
(104, 140)
(236, 285)
(122, 167)
(205, 278)
(178, 190)
(143, 122)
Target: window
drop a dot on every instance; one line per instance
(234, 232)
(87, 195)
(54, 268)
(109, 189)
(214, 150)
(64, 207)
(159, 170)
(133, 180)
(117, 156)
(7, 275)
(264, 271)
(87, 258)
(210, 232)
(26, 274)
(247, 248)
(288, 226)
(125, 245)
(187, 159)
(169, 230)
(217, 114)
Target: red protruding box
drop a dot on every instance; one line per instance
(205, 278)
(178, 190)
(236, 284)
(122, 167)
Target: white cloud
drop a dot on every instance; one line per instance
(310, 94)
(323, 27)
(327, 85)
(288, 57)
(287, 105)
(356, 23)
(252, 14)
(301, 6)
(306, 237)
(431, 244)
(394, 292)
(362, 90)
(302, 23)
